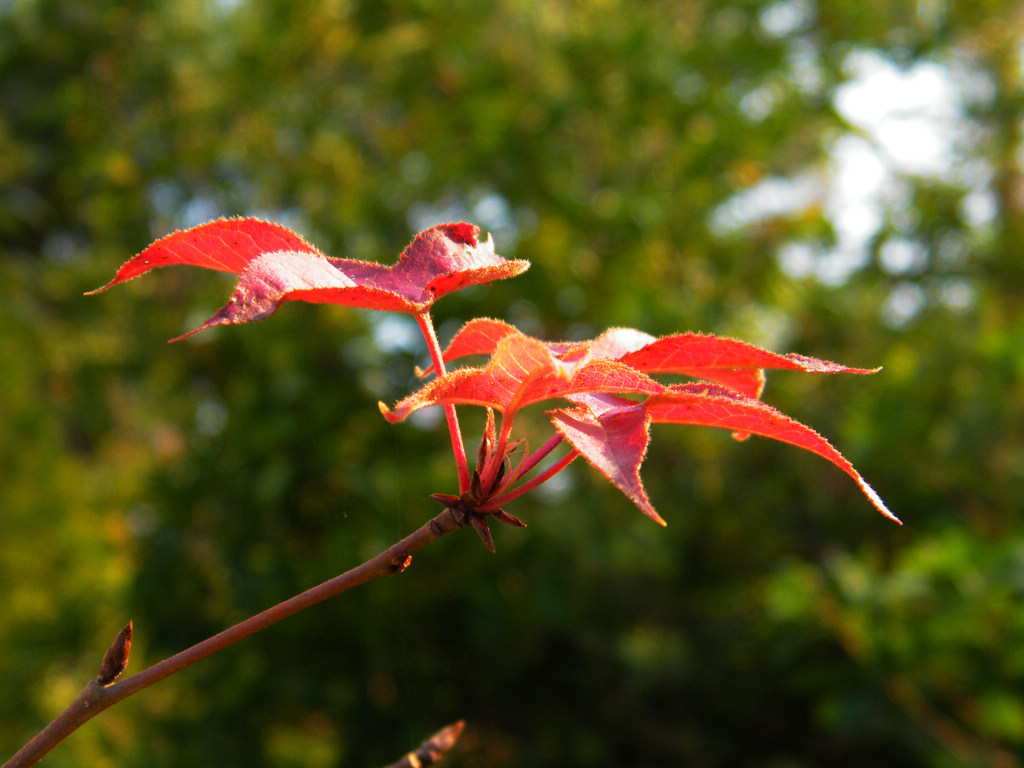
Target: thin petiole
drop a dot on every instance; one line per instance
(528, 486)
(458, 447)
(537, 456)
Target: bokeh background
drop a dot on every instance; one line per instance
(837, 178)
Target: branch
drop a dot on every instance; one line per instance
(433, 749)
(101, 692)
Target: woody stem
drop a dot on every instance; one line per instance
(458, 447)
(96, 696)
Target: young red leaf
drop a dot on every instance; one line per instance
(480, 336)
(522, 371)
(227, 245)
(735, 364)
(719, 407)
(439, 261)
(728, 362)
(618, 422)
(275, 265)
(614, 442)
(517, 362)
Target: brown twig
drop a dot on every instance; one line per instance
(102, 692)
(433, 749)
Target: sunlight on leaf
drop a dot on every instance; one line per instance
(276, 265)
(611, 432)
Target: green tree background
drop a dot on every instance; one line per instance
(665, 165)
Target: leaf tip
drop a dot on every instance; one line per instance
(184, 335)
(504, 517)
(393, 417)
(876, 500)
(651, 513)
(885, 511)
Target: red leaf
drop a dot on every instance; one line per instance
(438, 261)
(612, 432)
(227, 245)
(615, 443)
(275, 265)
(522, 371)
(618, 423)
(480, 336)
(731, 363)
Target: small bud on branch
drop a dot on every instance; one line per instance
(433, 749)
(115, 660)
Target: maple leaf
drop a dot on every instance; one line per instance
(275, 265)
(522, 371)
(612, 432)
(729, 362)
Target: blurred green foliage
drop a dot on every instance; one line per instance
(648, 159)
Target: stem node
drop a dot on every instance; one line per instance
(400, 562)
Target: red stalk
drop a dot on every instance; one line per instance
(528, 486)
(458, 447)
